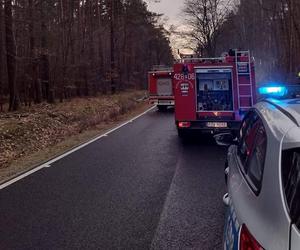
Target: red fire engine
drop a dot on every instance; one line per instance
(212, 94)
(160, 86)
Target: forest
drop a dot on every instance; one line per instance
(270, 29)
(53, 50)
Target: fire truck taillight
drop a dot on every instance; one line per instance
(247, 241)
(184, 124)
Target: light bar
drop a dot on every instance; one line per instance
(274, 91)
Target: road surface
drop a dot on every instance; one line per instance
(138, 188)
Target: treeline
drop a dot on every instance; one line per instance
(269, 28)
(58, 49)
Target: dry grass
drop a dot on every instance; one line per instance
(49, 130)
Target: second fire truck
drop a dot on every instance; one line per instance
(161, 87)
(213, 94)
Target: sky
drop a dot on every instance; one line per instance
(171, 9)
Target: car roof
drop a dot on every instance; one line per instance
(289, 107)
(278, 117)
(292, 109)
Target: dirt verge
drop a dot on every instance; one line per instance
(34, 135)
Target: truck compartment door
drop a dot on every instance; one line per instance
(214, 89)
(164, 86)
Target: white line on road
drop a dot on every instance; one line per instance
(48, 164)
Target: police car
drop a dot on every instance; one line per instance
(263, 177)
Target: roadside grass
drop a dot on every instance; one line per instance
(36, 134)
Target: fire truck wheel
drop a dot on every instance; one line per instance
(162, 108)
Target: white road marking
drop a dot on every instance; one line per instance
(6, 184)
(48, 164)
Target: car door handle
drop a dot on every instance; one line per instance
(226, 199)
(226, 171)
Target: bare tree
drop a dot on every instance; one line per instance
(48, 92)
(11, 56)
(270, 29)
(204, 19)
(112, 47)
(1, 59)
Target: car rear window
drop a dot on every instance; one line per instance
(291, 183)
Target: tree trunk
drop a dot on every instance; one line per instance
(100, 49)
(112, 50)
(44, 58)
(31, 38)
(1, 61)
(11, 57)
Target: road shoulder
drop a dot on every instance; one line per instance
(31, 161)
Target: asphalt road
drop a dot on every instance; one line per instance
(138, 188)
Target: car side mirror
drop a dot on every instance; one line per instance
(225, 139)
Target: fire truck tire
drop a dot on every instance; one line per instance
(162, 108)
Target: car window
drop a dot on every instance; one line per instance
(252, 150)
(257, 158)
(246, 138)
(291, 182)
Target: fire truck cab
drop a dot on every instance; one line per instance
(213, 94)
(160, 86)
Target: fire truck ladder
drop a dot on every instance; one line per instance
(238, 54)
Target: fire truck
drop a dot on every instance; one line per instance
(160, 86)
(213, 94)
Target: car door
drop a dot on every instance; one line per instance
(232, 225)
(291, 188)
(246, 160)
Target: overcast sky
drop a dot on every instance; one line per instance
(171, 8)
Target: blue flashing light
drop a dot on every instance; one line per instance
(273, 91)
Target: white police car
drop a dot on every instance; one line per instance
(263, 179)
